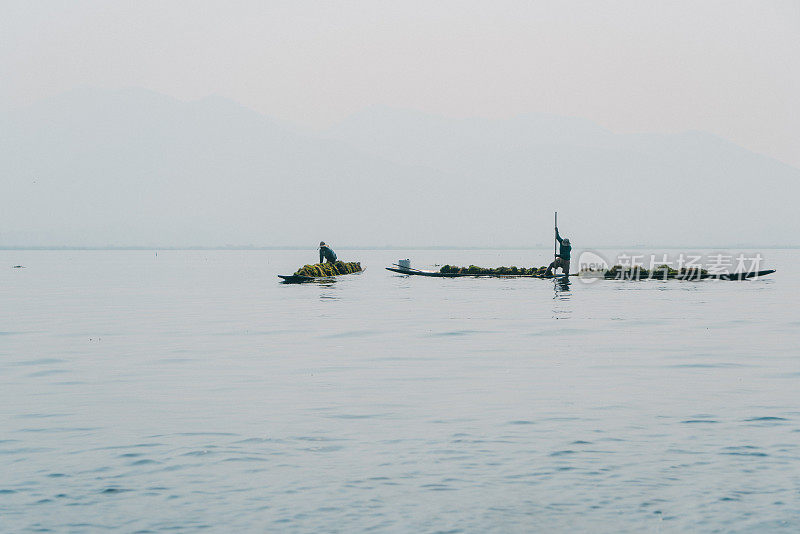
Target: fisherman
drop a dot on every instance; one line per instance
(562, 259)
(326, 252)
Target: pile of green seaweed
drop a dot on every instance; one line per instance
(474, 269)
(637, 272)
(329, 269)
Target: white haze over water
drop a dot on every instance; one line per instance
(411, 124)
(133, 167)
(729, 68)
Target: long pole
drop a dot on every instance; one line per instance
(555, 241)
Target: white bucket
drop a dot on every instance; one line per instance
(404, 264)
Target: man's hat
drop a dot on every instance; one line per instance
(322, 243)
(566, 241)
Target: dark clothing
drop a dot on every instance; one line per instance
(326, 253)
(558, 262)
(564, 249)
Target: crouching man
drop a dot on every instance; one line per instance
(326, 253)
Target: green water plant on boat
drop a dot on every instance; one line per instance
(638, 272)
(329, 269)
(497, 271)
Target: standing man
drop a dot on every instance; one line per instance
(562, 258)
(326, 253)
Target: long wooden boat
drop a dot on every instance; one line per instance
(437, 274)
(705, 276)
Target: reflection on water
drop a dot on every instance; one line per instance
(327, 289)
(561, 287)
(562, 308)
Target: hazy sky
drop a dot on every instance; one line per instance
(730, 68)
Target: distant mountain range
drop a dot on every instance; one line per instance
(133, 167)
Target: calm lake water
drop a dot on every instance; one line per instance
(144, 392)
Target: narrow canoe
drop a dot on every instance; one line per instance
(437, 274)
(727, 276)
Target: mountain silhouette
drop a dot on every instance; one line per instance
(132, 167)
